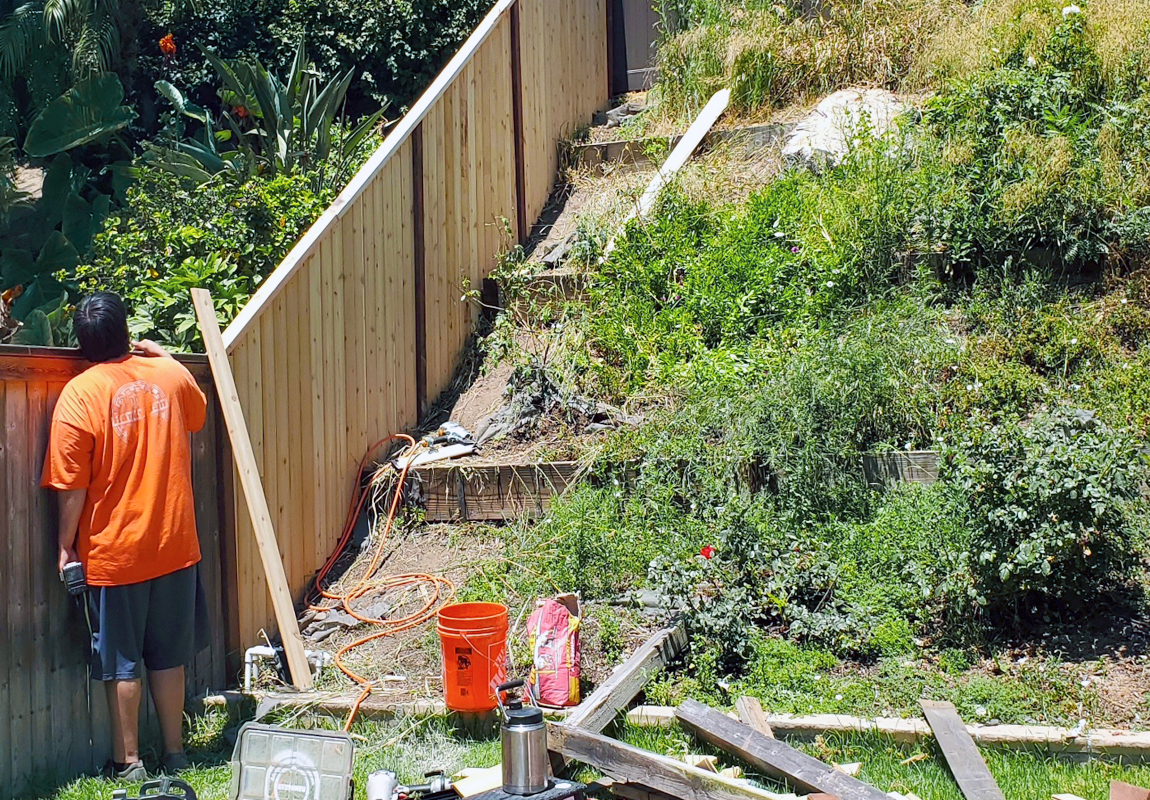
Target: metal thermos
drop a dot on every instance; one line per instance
(524, 739)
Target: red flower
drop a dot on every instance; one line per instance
(240, 112)
(168, 46)
(708, 552)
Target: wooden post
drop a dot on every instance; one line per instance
(522, 226)
(420, 265)
(253, 489)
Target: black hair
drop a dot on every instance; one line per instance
(101, 325)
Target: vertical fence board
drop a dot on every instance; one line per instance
(19, 644)
(41, 564)
(7, 543)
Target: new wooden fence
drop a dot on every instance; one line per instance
(363, 323)
(46, 731)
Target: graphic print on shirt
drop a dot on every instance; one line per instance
(132, 402)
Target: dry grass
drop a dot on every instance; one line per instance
(990, 34)
(772, 57)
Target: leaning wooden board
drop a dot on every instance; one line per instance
(961, 753)
(772, 756)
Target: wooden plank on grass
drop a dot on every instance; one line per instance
(770, 755)
(253, 490)
(750, 712)
(960, 751)
(626, 763)
(614, 694)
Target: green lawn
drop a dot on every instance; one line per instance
(413, 747)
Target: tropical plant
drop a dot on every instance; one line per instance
(89, 29)
(267, 125)
(91, 110)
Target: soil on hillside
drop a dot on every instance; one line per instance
(406, 665)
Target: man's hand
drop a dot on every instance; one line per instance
(146, 347)
(67, 556)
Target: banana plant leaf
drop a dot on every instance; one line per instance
(90, 110)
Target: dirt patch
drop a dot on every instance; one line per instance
(406, 665)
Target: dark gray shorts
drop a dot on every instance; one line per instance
(157, 624)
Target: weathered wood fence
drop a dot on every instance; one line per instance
(46, 730)
(364, 322)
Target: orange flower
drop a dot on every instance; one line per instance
(168, 45)
(240, 112)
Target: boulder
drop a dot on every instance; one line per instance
(826, 135)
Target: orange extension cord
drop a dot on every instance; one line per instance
(440, 586)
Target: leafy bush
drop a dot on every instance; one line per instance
(172, 236)
(396, 46)
(1053, 503)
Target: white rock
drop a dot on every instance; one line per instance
(838, 120)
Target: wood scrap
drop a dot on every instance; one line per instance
(709, 763)
(478, 781)
(732, 772)
(852, 769)
(961, 753)
(1065, 797)
(906, 762)
(626, 763)
(770, 755)
(751, 713)
(1126, 791)
(614, 694)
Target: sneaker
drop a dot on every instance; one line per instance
(132, 773)
(171, 763)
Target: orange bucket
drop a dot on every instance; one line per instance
(474, 639)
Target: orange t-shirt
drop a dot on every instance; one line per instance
(121, 431)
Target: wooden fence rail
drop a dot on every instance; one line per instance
(363, 323)
(46, 731)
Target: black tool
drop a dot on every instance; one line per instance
(73, 577)
(162, 789)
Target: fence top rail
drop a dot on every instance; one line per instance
(25, 362)
(303, 249)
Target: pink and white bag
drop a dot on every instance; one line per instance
(553, 631)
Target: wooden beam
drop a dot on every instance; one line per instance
(419, 264)
(253, 490)
(683, 150)
(625, 763)
(614, 694)
(522, 225)
(750, 712)
(962, 756)
(772, 756)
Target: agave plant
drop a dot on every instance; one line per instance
(267, 125)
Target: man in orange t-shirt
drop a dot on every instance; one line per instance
(119, 455)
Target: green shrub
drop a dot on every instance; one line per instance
(395, 46)
(171, 236)
(1054, 505)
